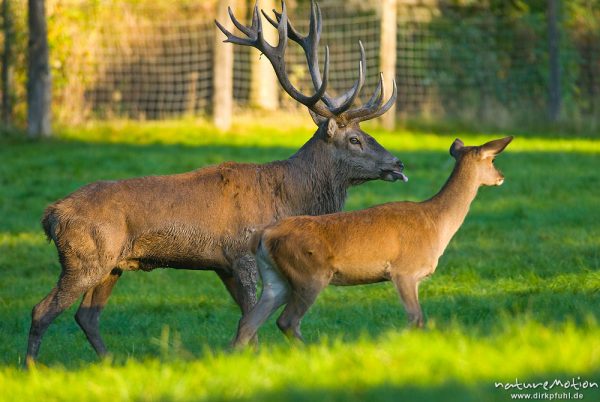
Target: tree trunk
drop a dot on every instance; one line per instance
(7, 57)
(38, 74)
(554, 95)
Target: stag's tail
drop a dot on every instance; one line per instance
(49, 222)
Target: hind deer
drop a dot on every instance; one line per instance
(400, 242)
(203, 219)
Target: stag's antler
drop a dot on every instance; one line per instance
(309, 44)
(333, 107)
(276, 57)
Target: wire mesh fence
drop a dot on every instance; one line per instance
(154, 60)
(143, 66)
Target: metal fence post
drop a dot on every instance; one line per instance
(387, 54)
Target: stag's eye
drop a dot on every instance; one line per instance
(354, 140)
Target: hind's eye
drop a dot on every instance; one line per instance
(354, 140)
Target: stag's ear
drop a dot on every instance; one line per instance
(494, 147)
(332, 128)
(456, 148)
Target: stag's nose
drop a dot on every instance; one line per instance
(399, 163)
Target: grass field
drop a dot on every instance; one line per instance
(516, 295)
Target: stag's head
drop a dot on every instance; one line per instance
(338, 121)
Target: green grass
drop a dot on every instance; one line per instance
(516, 294)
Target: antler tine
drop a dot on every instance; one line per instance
(387, 105)
(247, 31)
(262, 44)
(232, 38)
(372, 105)
(292, 33)
(347, 99)
(373, 108)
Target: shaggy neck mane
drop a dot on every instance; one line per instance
(313, 183)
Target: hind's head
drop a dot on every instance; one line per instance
(481, 159)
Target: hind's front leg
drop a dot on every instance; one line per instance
(408, 289)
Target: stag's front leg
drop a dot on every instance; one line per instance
(246, 275)
(241, 282)
(408, 288)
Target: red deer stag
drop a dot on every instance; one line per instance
(203, 219)
(400, 241)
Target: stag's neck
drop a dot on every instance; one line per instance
(316, 185)
(449, 207)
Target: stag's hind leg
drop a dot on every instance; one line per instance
(88, 314)
(71, 285)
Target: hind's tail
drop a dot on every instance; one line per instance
(255, 240)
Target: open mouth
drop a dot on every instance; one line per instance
(393, 175)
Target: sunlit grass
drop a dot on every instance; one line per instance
(394, 364)
(517, 293)
(294, 130)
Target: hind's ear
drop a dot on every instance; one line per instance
(456, 148)
(332, 128)
(494, 147)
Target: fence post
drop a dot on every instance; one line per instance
(39, 82)
(387, 54)
(7, 57)
(554, 95)
(264, 86)
(222, 71)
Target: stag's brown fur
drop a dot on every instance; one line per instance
(400, 241)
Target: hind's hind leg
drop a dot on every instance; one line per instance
(70, 286)
(88, 314)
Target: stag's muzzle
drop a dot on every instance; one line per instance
(395, 172)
